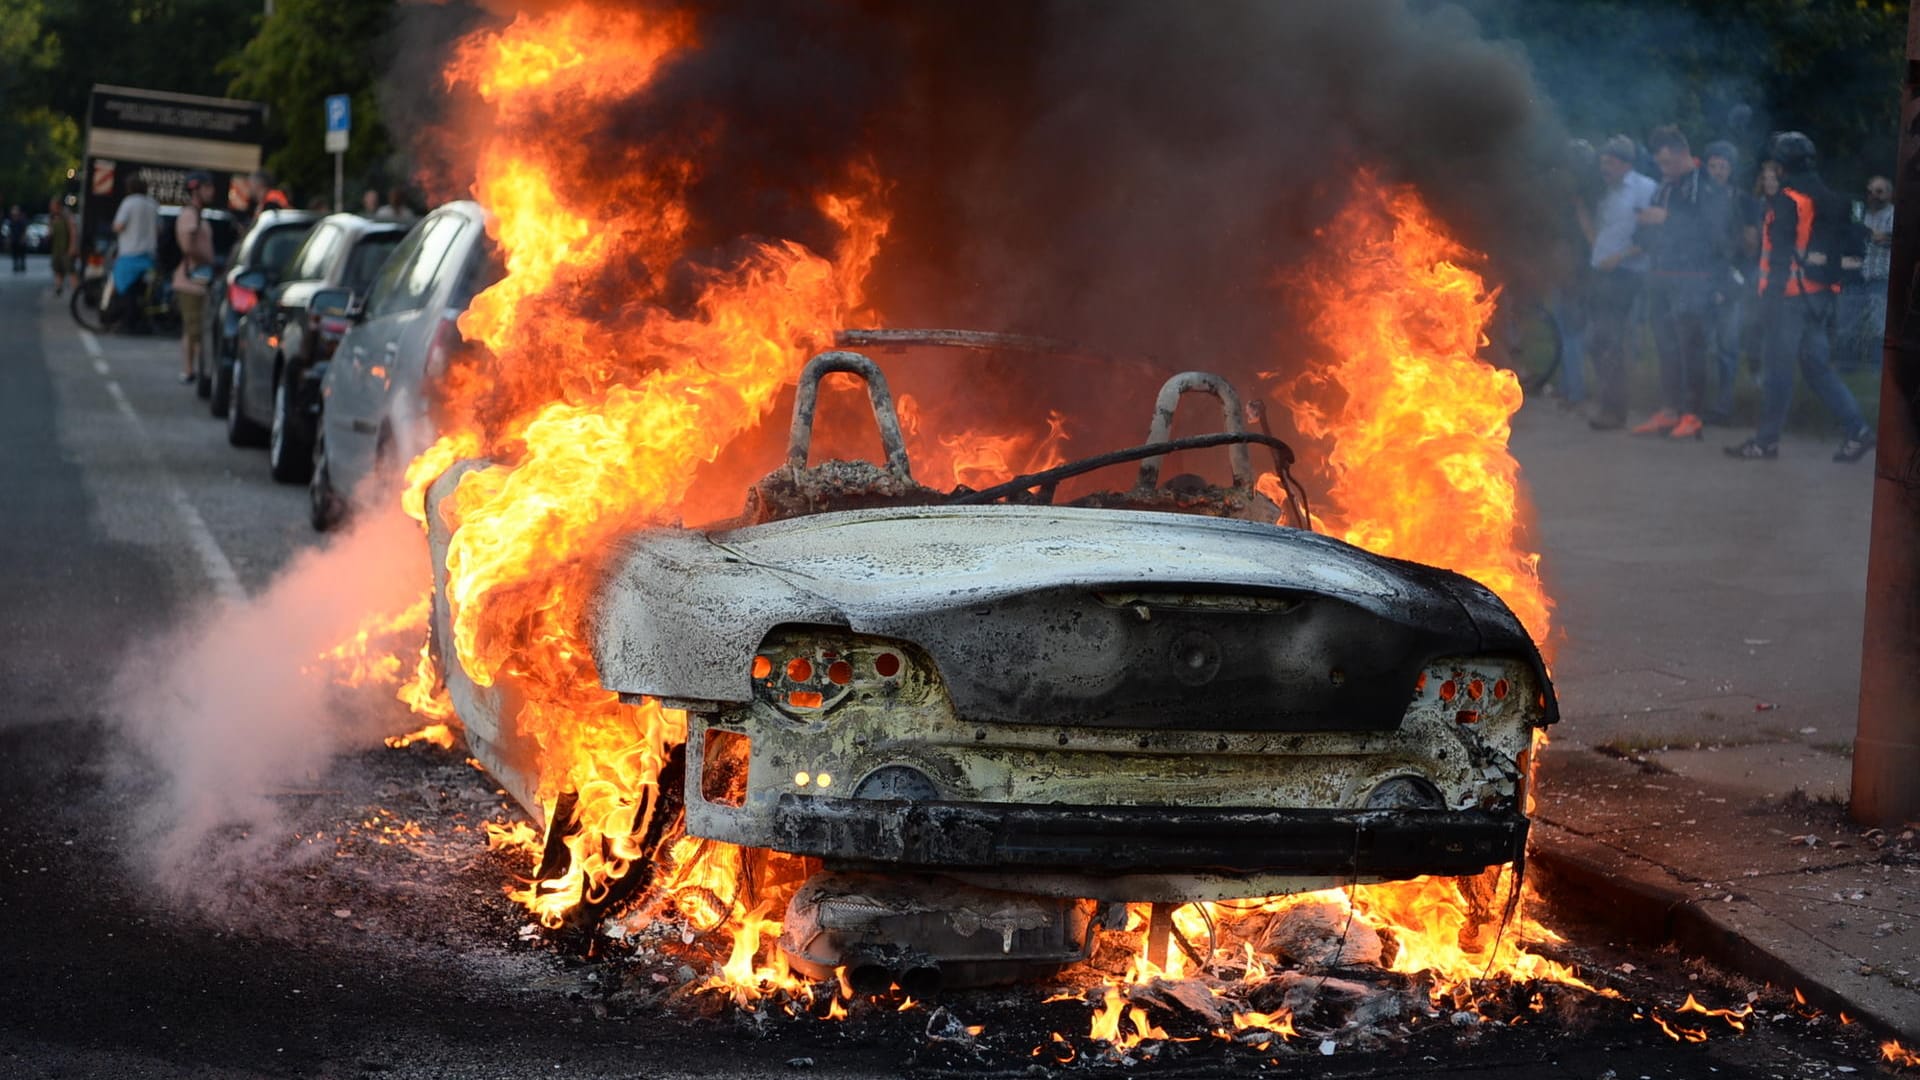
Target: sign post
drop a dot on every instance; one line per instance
(339, 121)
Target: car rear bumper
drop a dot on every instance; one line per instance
(1134, 840)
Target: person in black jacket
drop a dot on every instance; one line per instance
(1804, 233)
(1688, 233)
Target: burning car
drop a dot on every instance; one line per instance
(993, 719)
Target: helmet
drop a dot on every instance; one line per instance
(1793, 150)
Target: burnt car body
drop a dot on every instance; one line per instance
(988, 715)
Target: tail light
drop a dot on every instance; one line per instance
(446, 339)
(806, 674)
(241, 299)
(1470, 691)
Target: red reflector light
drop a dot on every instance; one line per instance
(1468, 716)
(804, 699)
(1420, 684)
(335, 326)
(1500, 690)
(887, 665)
(800, 669)
(241, 299)
(1475, 689)
(840, 673)
(762, 667)
(1448, 691)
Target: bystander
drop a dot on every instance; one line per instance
(195, 269)
(1618, 269)
(1801, 237)
(1687, 234)
(1863, 296)
(136, 228)
(1730, 307)
(60, 245)
(17, 238)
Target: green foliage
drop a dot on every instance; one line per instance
(306, 50)
(36, 144)
(1830, 68)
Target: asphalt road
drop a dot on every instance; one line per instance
(307, 943)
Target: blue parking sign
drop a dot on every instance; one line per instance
(339, 112)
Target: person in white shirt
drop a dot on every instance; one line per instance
(1619, 267)
(137, 225)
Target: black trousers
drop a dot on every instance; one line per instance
(1610, 297)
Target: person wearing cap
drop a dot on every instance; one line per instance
(1803, 239)
(195, 271)
(1619, 266)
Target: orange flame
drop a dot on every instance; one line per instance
(599, 424)
(1899, 1056)
(1415, 421)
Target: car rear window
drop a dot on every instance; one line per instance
(369, 255)
(273, 251)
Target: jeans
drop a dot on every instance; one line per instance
(1862, 325)
(1795, 331)
(1681, 310)
(1610, 303)
(1729, 326)
(1569, 312)
(127, 270)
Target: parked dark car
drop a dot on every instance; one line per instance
(401, 336)
(282, 351)
(268, 246)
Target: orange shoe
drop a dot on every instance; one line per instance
(1688, 427)
(1658, 424)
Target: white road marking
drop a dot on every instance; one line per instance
(213, 560)
(92, 345)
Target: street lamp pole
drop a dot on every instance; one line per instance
(1886, 751)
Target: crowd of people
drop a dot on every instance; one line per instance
(1790, 275)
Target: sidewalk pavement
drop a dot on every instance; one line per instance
(1706, 652)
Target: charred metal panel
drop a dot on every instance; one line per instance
(922, 932)
(681, 613)
(486, 712)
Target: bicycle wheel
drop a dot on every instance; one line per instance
(85, 305)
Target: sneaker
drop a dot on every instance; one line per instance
(1607, 421)
(1659, 423)
(1855, 446)
(186, 377)
(1688, 427)
(1754, 450)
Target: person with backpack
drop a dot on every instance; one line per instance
(1803, 234)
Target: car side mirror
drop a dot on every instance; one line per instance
(252, 279)
(335, 304)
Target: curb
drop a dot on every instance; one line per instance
(1645, 902)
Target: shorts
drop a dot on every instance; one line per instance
(192, 306)
(127, 270)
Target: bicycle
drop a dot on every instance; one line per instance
(148, 309)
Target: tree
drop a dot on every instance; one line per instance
(304, 51)
(37, 145)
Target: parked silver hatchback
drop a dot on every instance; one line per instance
(398, 340)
